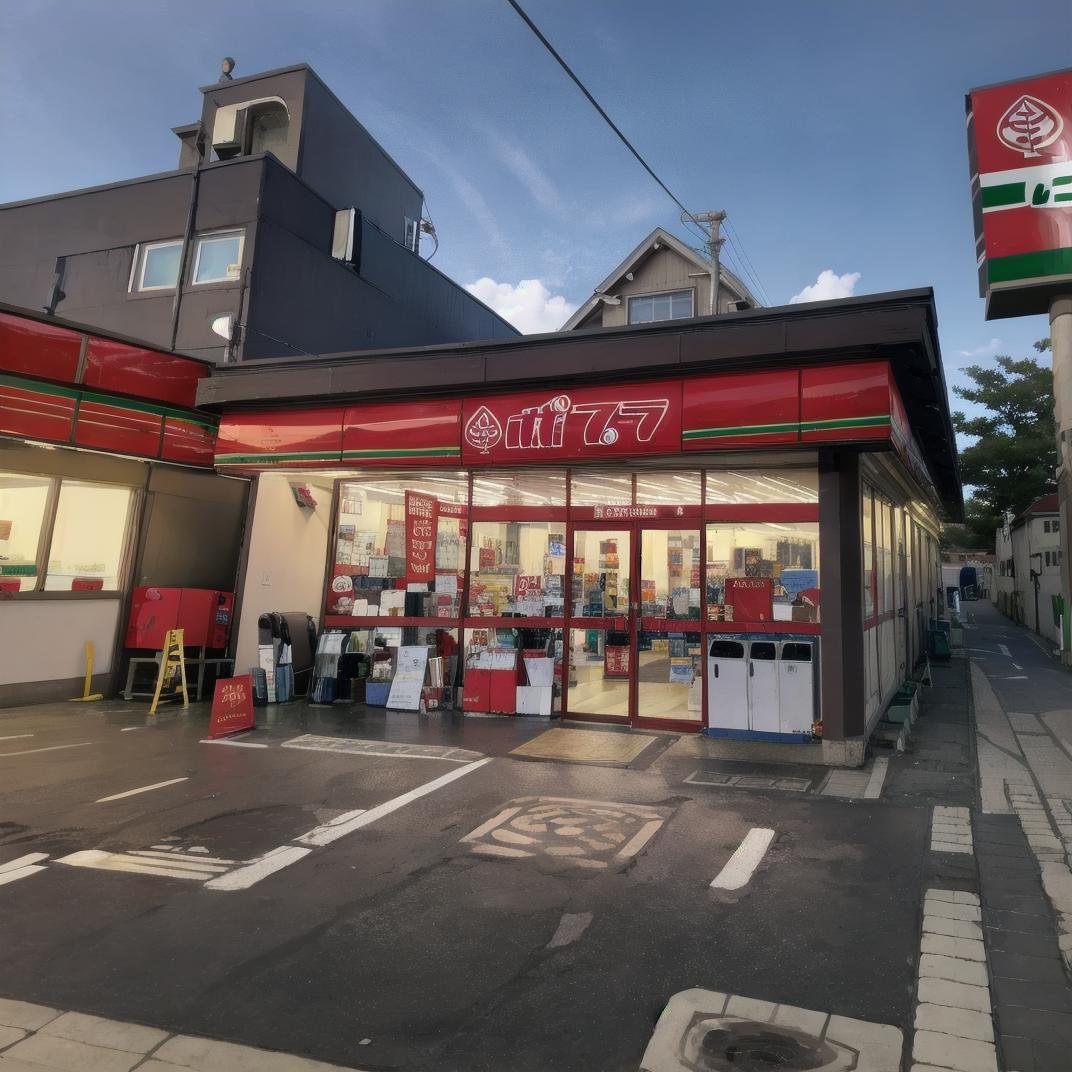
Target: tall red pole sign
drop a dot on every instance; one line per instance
(1020, 148)
(422, 521)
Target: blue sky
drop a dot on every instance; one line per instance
(832, 132)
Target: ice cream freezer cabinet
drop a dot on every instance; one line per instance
(761, 688)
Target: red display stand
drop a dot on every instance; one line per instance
(615, 661)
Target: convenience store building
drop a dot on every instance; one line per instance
(728, 524)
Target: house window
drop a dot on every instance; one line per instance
(1047, 553)
(1056, 526)
(218, 257)
(156, 265)
(412, 233)
(1045, 526)
(673, 305)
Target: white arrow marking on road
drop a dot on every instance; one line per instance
(143, 789)
(1004, 650)
(1017, 666)
(51, 748)
(744, 861)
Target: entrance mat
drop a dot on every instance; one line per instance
(605, 747)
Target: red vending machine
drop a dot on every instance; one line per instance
(202, 613)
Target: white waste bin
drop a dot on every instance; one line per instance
(763, 686)
(727, 685)
(796, 686)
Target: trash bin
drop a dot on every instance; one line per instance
(763, 711)
(796, 687)
(727, 686)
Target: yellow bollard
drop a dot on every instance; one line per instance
(86, 695)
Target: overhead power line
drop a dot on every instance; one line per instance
(687, 216)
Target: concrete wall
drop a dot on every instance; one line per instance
(1028, 539)
(286, 561)
(43, 644)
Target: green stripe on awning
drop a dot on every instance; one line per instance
(846, 422)
(1046, 262)
(285, 456)
(405, 452)
(37, 387)
(740, 430)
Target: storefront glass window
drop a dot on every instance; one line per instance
(762, 486)
(670, 573)
(596, 487)
(867, 526)
(601, 570)
(884, 548)
(599, 672)
(517, 568)
(89, 537)
(23, 501)
(400, 546)
(524, 487)
(668, 489)
(763, 571)
(669, 682)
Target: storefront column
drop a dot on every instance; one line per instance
(843, 667)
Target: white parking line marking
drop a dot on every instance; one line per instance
(1004, 651)
(23, 861)
(118, 861)
(234, 744)
(16, 737)
(327, 832)
(143, 789)
(1017, 666)
(252, 873)
(741, 865)
(174, 859)
(873, 789)
(51, 748)
(129, 729)
(22, 872)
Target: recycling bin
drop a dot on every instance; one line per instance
(727, 685)
(764, 716)
(796, 687)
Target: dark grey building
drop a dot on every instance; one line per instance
(285, 230)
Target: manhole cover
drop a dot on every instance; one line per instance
(746, 1046)
(705, 1031)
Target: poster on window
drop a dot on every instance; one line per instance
(750, 597)
(422, 519)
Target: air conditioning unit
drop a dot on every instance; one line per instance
(740, 305)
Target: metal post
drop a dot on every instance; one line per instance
(714, 244)
(1061, 352)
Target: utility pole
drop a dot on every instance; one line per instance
(714, 245)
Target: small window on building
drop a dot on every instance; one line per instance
(1056, 527)
(1047, 554)
(218, 257)
(156, 265)
(673, 305)
(1045, 526)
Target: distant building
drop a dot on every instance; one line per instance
(1028, 548)
(662, 279)
(285, 230)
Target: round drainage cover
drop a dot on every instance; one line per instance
(748, 1046)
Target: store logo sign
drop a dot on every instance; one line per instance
(556, 422)
(1029, 126)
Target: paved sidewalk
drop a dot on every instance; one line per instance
(34, 1038)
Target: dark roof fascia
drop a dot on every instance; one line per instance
(97, 189)
(88, 329)
(900, 326)
(223, 83)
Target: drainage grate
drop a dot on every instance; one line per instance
(747, 1046)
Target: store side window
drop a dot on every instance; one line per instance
(867, 538)
(763, 571)
(23, 505)
(88, 537)
(400, 547)
(746, 486)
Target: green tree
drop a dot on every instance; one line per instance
(1014, 457)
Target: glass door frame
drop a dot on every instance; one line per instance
(631, 622)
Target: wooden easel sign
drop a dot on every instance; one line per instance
(172, 671)
(232, 706)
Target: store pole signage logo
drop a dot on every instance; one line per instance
(1030, 125)
(544, 427)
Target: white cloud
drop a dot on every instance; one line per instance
(828, 285)
(529, 306)
(987, 350)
